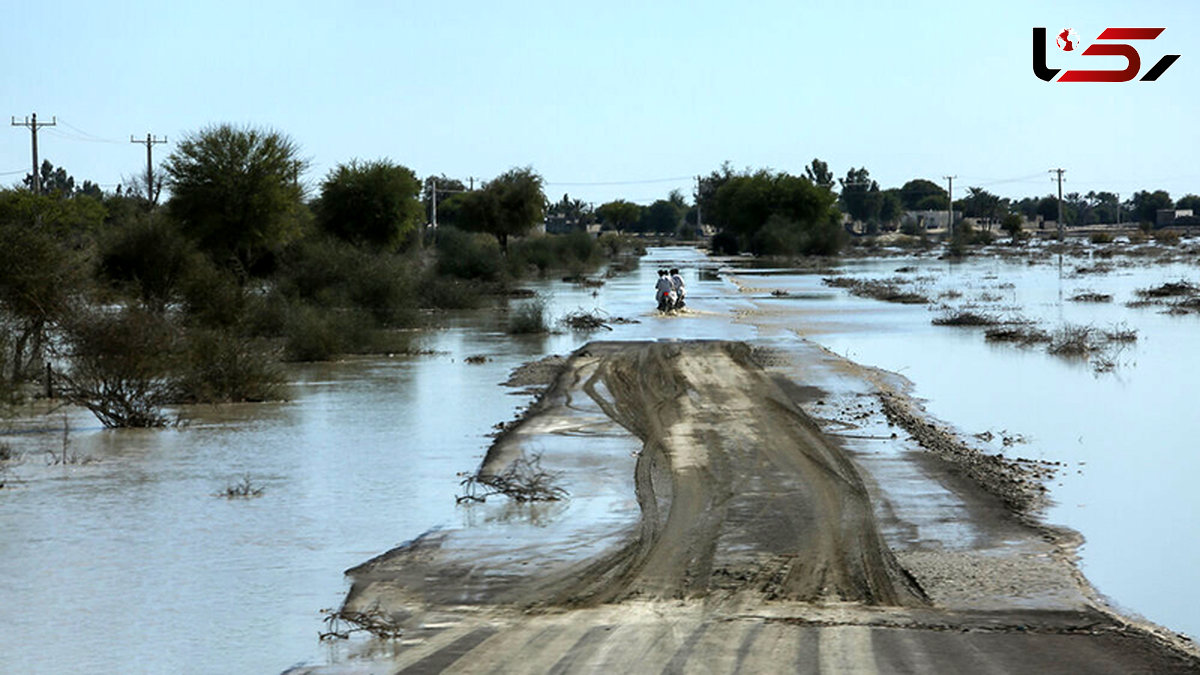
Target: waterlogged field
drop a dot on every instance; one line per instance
(1120, 422)
(131, 562)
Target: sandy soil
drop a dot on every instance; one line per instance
(757, 541)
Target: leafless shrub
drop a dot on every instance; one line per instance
(965, 318)
(581, 320)
(341, 624)
(1091, 296)
(888, 290)
(524, 481)
(476, 359)
(243, 489)
(1169, 289)
(1072, 340)
(1021, 334)
(1121, 332)
(120, 366)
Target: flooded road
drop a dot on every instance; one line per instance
(131, 563)
(1126, 439)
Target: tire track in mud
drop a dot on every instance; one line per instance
(738, 489)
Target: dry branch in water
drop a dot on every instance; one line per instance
(524, 481)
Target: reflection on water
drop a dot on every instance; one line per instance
(131, 564)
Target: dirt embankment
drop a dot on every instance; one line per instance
(738, 489)
(737, 486)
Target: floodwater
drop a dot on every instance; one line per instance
(131, 564)
(1126, 439)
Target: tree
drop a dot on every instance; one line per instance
(508, 205)
(370, 203)
(447, 190)
(861, 196)
(1189, 202)
(619, 214)
(923, 195)
(661, 217)
(1047, 208)
(236, 192)
(42, 270)
(981, 204)
(1012, 225)
(55, 182)
(818, 173)
(569, 215)
(805, 222)
(149, 255)
(1145, 205)
(891, 208)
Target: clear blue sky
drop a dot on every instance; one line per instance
(593, 92)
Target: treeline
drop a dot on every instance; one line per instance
(776, 213)
(134, 306)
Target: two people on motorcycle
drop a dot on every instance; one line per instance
(669, 290)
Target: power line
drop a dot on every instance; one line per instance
(33, 126)
(623, 182)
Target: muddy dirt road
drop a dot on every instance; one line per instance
(754, 543)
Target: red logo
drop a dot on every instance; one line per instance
(1067, 41)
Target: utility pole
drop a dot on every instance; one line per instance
(33, 126)
(1118, 210)
(950, 207)
(472, 179)
(433, 184)
(149, 142)
(698, 219)
(1060, 218)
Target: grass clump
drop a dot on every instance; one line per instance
(965, 317)
(529, 317)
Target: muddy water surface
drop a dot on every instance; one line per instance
(1126, 439)
(131, 564)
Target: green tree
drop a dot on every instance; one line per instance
(1189, 202)
(150, 257)
(43, 244)
(661, 217)
(55, 182)
(1012, 225)
(1047, 208)
(806, 221)
(619, 214)
(1145, 205)
(448, 189)
(236, 192)
(509, 205)
(919, 194)
(892, 208)
(861, 196)
(818, 173)
(981, 204)
(372, 203)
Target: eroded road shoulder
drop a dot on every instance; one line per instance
(749, 537)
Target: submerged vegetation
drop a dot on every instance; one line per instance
(127, 307)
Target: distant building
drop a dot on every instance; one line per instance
(1166, 217)
(927, 220)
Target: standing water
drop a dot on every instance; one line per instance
(131, 562)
